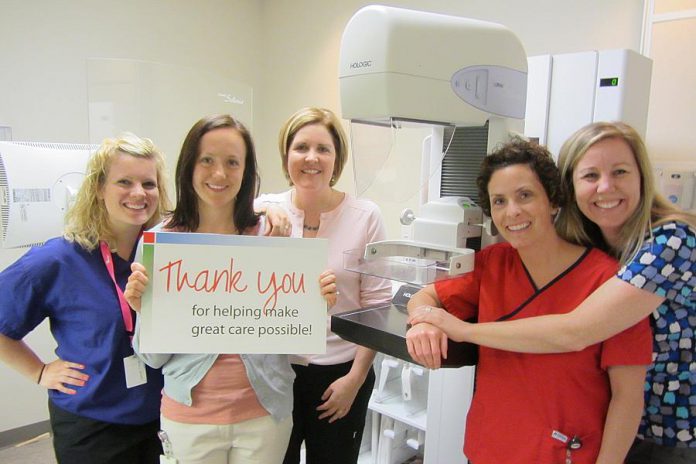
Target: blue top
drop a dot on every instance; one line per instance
(72, 288)
(666, 266)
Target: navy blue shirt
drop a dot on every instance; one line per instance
(72, 288)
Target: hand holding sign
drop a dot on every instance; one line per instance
(211, 293)
(137, 283)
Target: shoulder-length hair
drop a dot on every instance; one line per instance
(305, 117)
(87, 221)
(653, 209)
(185, 214)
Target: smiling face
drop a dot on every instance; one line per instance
(607, 185)
(311, 158)
(219, 168)
(130, 192)
(520, 208)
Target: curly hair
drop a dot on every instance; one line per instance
(87, 221)
(521, 151)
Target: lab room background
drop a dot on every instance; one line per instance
(283, 54)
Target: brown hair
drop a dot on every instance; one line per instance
(305, 117)
(185, 215)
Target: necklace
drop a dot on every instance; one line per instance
(310, 228)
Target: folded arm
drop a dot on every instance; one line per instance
(612, 308)
(426, 342)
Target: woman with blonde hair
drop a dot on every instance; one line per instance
(101, 408)
(331, 390)
(613, 205)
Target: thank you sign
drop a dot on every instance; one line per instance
(212, 293)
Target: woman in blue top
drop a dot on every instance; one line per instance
(606, 169)
(102, 408)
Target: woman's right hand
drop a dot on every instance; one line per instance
(277, 222)
(137, 283)
(58, 374)
(427, 345)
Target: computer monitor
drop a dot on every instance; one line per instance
(38, 182)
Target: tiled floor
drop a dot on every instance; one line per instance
(38, 450)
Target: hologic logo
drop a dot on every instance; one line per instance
(361, 64)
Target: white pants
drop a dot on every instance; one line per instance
(255, 441)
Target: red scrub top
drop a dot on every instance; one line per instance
(521, 399)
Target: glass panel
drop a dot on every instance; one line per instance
(416, 271)
(159, 101)
(396, 162)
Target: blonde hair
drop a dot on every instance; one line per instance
(305, 117)
(652, 210)
(87, 221)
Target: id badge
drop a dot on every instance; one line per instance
(135, 371)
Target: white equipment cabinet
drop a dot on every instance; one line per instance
(418, 412)
(568, 91)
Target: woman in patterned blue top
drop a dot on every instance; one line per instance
(606, 169)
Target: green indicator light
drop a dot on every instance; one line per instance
(609, 82)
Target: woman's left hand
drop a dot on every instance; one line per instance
(338, 398)
(329, 290)
(277, 222)
(450, 324)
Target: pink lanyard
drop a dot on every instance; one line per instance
(125, 308)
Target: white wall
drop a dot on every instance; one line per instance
(302, 40)
(287, 50)
(671, 116)
(43, 89)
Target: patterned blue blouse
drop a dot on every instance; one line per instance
(666, 266)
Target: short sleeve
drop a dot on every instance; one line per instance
(460, 295)
(665, 265)
(22, 302)
(631, 347)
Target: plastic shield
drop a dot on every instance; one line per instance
(398, 162)
(159, 101)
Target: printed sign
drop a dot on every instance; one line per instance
(212, 293)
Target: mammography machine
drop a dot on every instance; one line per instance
(428, 95)
(403, 69)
